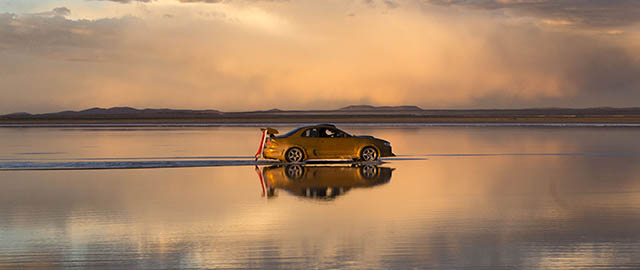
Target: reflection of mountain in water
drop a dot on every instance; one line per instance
(322, 182)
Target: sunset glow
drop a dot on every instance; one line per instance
(255, 55)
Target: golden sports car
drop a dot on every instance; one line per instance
(323, 142)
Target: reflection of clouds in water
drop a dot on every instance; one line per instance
(449, 212)
(592, 235)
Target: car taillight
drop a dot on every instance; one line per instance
(268, 143)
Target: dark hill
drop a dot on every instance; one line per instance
(117, 113)
(380, 108)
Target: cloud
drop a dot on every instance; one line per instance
(589, 13)
(48, 33)
(200, 1)
(59, 11)
(390, 4)
(125, 1)
(221, 1)
(308, 54)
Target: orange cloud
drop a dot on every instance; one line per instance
(240, 56)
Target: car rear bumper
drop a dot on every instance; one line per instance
(272, 153)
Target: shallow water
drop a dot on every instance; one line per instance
(455, 197)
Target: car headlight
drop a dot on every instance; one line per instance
(387, 144)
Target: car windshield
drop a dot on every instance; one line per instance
(340, 133)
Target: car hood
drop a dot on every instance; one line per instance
(371, 137)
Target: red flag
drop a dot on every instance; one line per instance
(262, 184)
(264, 136)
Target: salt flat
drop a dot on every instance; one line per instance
(456, 196)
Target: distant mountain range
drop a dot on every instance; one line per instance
(112, 112)
(128, 112)
(380, 108)
(353, 113)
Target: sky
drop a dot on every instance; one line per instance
(237, 55)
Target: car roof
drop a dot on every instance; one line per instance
(305, 127)
(316, 125)
(320, 125)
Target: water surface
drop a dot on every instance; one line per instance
(455, 197)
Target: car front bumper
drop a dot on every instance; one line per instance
(386, 151)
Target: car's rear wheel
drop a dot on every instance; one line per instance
(294, 155)
(369, 154)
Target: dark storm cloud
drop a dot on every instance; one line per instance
(593, 13)
(607, 75)
(586, 70)
(598, 71)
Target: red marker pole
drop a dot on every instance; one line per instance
(264, 136)
(262, 184)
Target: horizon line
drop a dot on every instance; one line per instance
(348, 107)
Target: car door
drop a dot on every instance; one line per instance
(310, 141)
(335, 143)
(323, 145)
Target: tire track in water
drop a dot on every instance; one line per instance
(218, 161)
(521, 154)
(32, 165)
(124, 164)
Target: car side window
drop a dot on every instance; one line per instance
(326, 133)
(310, 133)
(330, 133)
(338, 133)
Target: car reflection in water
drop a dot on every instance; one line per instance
(323, 182)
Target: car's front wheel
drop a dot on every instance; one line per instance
(369, 171)
(294, 171)
(294, 155)
(369, 154)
